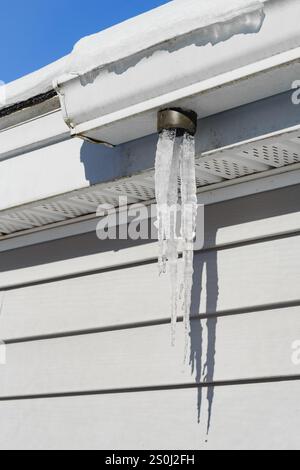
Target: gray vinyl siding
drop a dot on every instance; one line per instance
(89, 361)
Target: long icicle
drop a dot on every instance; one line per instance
(176, 158)
(163, 166)
(167, 170)
(188, 226)
(173, 241)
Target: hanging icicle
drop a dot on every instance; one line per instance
(175, 160)
(188, 226)
(166, 184)
(163, 167)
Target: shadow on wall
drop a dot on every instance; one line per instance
(102, 164)
(207, 281)
(204, 370)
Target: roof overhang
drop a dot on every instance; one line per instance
(206, 68)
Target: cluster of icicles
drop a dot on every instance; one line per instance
(175, 166)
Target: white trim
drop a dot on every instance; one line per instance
(28, 136)
(191, 92)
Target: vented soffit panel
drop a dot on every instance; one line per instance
(230, 165)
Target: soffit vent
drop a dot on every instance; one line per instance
(227, 164)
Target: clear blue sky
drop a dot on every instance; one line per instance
(34, 33)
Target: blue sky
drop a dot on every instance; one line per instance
(34, 33)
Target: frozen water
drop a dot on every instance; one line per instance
(163, 167)
(172, 249)
(166, 184)
(188, 226)
(175, 160)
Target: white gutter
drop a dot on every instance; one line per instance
(199, 59)
(125, 40)
(262, 79)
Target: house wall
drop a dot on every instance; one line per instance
(89, 361)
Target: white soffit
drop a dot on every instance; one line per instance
(254, 158)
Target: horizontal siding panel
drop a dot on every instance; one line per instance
(78, 265)
(248, 276)
(256, 230)
(102, 300)
(248, 346)
(248, 417)
(254, 217)
(254, 417)
(144, 253)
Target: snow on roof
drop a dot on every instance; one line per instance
(163, 24)
(34, 84)
(172, 20)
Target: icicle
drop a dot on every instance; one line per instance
(173, 241)
(163, 166)
(188, 225)
(166, 176)
(176, 158)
